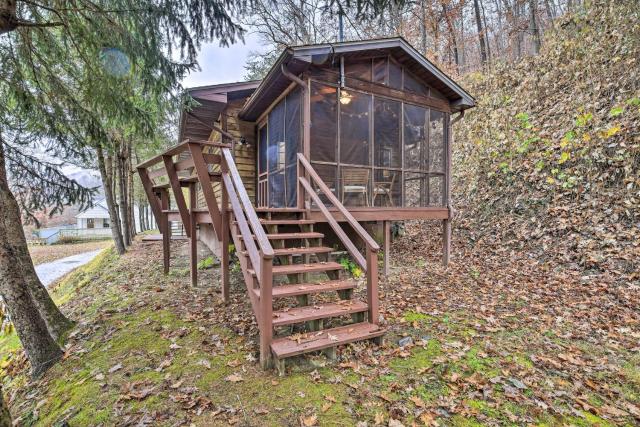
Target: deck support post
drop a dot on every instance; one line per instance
(386, 247)
(193, 238)
(266, 311)
(165, 229)
(446, 241)
(224, 238)
(372, 285)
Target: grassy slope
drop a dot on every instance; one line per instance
(549, 161)
(149, 348)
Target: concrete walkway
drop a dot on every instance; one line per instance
(51, 271)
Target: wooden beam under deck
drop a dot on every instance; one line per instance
(360, 214)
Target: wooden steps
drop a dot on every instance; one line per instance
(299, 251)
(318, 267)
(287, 221)
(292, 236)
(313, 341)
(283, 291)
(319, 311)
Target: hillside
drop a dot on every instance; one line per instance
(548, 163)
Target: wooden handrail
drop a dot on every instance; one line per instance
(245, 231)
(337, 204)
(177, 149)
(351, 248)
(252, 217)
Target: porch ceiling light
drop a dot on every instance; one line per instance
(345, 97)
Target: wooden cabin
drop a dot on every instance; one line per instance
(293, 169)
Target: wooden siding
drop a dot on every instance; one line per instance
(244, 155)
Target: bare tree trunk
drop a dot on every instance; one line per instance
(453, 43)
(481, 38)
(39, 346)
(486, 30)
(111, 206)
(533, 26)
(56, 322)
(122, 184)
(5, 416)
(131, 204)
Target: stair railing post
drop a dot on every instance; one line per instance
(266, 310)
(372, 284)
(224, 262)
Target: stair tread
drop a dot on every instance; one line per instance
(303, 268)
(299, 251)
(312, 341)
(302, 235)
(287, 221)
(318, 311)
(295, 289)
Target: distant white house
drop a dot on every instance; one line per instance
(95, 217)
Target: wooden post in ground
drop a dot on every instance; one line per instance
(386, 247)
(165, 229)
(446, 241)
(372, 285)
(266, 311)
(193, 238)
(224, 259)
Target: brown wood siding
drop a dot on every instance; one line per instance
(244, 155)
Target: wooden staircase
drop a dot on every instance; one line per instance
(302, 298)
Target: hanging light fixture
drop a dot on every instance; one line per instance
(345, 97)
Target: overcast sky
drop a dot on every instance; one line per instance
(222, 65)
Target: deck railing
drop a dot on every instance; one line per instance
(368, 262)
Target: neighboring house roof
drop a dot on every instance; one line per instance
(299, 58)
(99, 210)
(211, 100)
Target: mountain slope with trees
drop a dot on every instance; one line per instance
(549, 161)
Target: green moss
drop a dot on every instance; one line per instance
(421, 357)
(414, 316)
(82, 276)
(486, 366)
(460, 421)
(587, 420)
(523, 360)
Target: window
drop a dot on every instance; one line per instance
(436, 142)
(360, 69)
(292, 134)
(415, 132)
(105, 223)
(90, 223)
(386, 132)
(324, 122)
(354, 135)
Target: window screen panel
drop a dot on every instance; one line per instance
(395, 75)
(412, 84)
(276, 189)
(387, 188)
(293, 126)
(436, 142)
(415, 185)
(360, 69)
(415, 132)
(324, 122)
(386, 133)
(355, 185)
(275, 154)
(355, 140)
(380, 70)
(262, 149)
(291, 178)
(329, 175)
(436, 190)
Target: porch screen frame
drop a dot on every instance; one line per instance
(402, 170)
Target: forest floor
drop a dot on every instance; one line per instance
(41, 254)
(496, 339)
